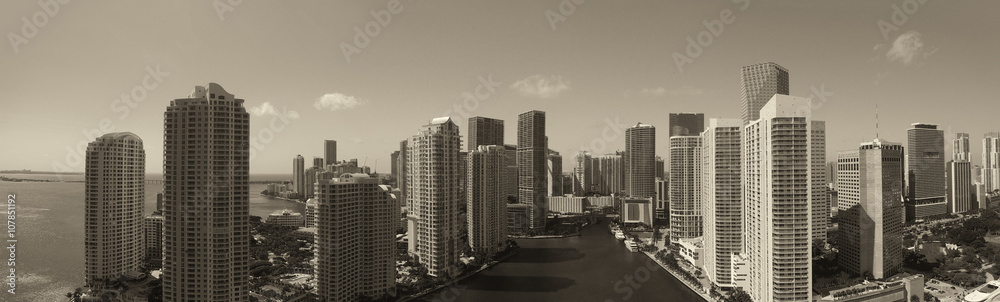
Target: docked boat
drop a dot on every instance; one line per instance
(986, 292)
(619, 235)
(632, 246)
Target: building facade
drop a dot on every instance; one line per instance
(206, 165)
(330, 151)
(926, 184)
(721, 201)
(299, 174)
(640, 161)
(355, 239)
(433, 196)
(685, 187)
(531, 160)
(686, 124)
(991, 162)
(486, 199)
(820, 200)
(761, 82)
(777, 203)
(152, 230)
(484, 131)
(960, 195)
(115, 191)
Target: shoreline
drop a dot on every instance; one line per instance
(459, 278)
(696, 288)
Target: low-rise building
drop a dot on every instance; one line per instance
(286, 218)
(691, 250)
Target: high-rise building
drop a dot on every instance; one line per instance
(662, 200)
(115, 191)
(582, 181)
(959, 186)
(640, 160)
(531, 153)
(608, 174)
(685, 187)
(486, 199)
(777, 202)
(660, 168)
(991, 162)
(330, 151)
(926, 185)
(433, 196)
(484, 131)
(355, 239)
(311, 208)
(820, 200)
(554, 164)
(317, 161)
(721, 200)
(871, 226)
(152, 230)
(401, 169)
(510, 185)
(309, 184)
(206, 166)
(761, 82)
(960, 147)
(686, 124)
(299, 174)
(394, 164)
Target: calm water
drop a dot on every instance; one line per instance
(50, 250)
(592, 267)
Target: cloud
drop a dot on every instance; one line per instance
(337, 101)
(907, 49)
(267, 109)
(541, 86)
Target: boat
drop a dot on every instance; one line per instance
(984, 293)
(619, 235)
(632, 246)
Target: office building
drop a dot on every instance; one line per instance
(486, 199)
(317, 162)
(685, 187)
(152, 230)
(991, 162)
(206, 202)
(761, 82)
(401, 166)
(484, 131)
(960, 148)
(299, 174)
(510, 184)
(926, 184)
(661, 168)
(554, 164)
(820, 200)
(115, 191)
(355, 239)
(608, 174)
(637, 210)
(311, 176)
(532, 175)
(721, 198)
(662, 200)
(330, 151)
(777, 204)
(582, 174)
(433, 196)
(640, 160)
(960, 195)
(871, 226)
(686, 124)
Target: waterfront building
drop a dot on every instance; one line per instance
(432, 195)
(686, 124)
(991, 161)
(640, 161)
(286, 218)
(299, 174)
(206, 202)
(486, 201)
(554, 164)
(685, 187)
(637, 210)
(721, 198)
(115, 191)
(484, 131)
(532, 175)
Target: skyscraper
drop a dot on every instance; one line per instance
(433, 196)
(761, 82)
(487, 203)
(640, 160)
(317, 161)
(554, 164)
(926, 193)
(870, 190)
(660, 168)
(152, 230)
(777, 202)
(608, 174)
(686, 124)
(330, 151)
(206, 201)
(959, 180)
(115, 191)
(661, 210)
(484, 131)
(991, 162)
(401, 170)
(355, 239)
(685, 188)
(582, 181)
(820, 200)
(394, 163)
(531, 153)
(721, 200)
(510, 185)
(299, 174)
(960, 147)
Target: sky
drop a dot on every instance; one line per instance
(369, 73)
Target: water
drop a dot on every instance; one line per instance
(592, 267)
(50, 252)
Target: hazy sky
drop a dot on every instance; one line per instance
(585, 65)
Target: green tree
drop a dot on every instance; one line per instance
(738, 295)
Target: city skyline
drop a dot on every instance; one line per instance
(854, 66)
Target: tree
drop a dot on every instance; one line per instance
(738, 295)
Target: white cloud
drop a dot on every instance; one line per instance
(267, 109)
(907, 49)
(541, 86)
(337, 101)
